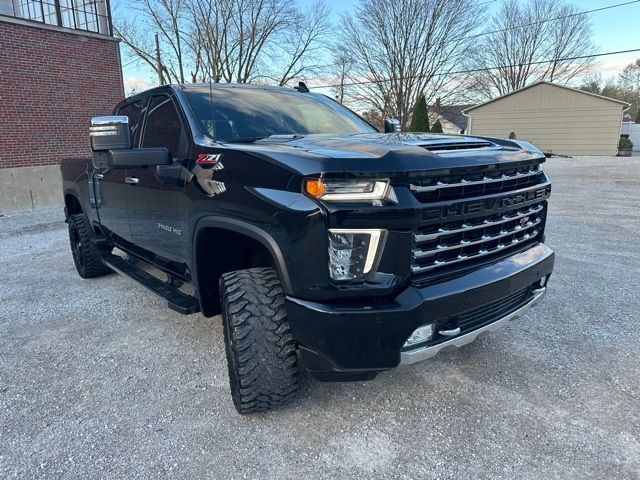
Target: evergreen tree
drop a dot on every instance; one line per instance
(437, 127)
(638, 116)
(420, 118)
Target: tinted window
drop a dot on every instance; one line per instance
(134, 112)
(233, 113)
(163, 127)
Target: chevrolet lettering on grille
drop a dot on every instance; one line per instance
(485, 206)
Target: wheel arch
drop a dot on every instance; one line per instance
(237, 245)
(72, 203)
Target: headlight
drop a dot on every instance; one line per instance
(352, 253)
(350, 190)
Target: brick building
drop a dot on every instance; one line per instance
(59, 66)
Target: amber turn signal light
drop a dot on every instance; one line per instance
(314, 187)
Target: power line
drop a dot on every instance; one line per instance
(130, 63)
(576, 14)
(540, 22)
(485, 69)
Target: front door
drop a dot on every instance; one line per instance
(155, 195)
(111, 185)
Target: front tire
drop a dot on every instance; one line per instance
(86, 256)
(261, 354)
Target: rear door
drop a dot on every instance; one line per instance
(110, 184)
(156, 194)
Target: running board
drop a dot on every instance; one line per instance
(177, 300)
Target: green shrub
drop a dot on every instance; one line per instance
(437, 127)
(638, 116)
(625, 144)
(420, 118)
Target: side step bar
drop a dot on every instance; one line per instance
(177, 300)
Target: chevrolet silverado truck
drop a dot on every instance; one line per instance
(325, 245)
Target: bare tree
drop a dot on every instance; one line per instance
(342, 70)
(595, 83)
(226, 40)
(404, 49)
(167, 19)
(629, 85)
(302, 43)
(529, 42)
(211, 37)
(140, 44)
(246, 40)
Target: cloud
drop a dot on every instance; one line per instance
(135, 85)
(613, 67)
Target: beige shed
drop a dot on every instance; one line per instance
(555, 118)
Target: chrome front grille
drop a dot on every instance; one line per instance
(474, 183)
(451, 243)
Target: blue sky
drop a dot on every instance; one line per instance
(614, 29)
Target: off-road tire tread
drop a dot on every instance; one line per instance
(93, 266)
(261, 353)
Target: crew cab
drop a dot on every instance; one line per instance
(324, 244)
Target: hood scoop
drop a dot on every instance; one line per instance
(452, 146)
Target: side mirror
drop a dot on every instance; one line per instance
(109, 133)
(111, 146)
(391, 125)
(131, 158)
(137, 157)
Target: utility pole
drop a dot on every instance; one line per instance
(159, 62)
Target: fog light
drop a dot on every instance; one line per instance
(420, 335)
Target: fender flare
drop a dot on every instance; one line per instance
(72, 193)
(249, 230)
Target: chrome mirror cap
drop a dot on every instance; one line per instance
(109, 132)
(108, 120)
(391, 125)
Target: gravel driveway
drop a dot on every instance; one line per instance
(98, 379)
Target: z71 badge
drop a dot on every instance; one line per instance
(206, 165)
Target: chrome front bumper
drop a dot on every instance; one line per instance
(419, 354)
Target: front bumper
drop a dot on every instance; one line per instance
(422, 353)
(358, 341)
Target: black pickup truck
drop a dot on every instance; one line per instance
(324, 244)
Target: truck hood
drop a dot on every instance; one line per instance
(389, 153)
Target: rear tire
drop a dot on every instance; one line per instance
(261, 354)
(86, 256)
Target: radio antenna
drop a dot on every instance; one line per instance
(212, 125)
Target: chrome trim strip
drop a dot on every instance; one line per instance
(423, 237)
(109, 119)
(466, 183)
(422, 353)
(417, 253)
(481, 253)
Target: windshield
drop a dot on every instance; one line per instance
(238, 114)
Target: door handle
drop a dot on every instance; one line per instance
(98, 176)
(132, 180)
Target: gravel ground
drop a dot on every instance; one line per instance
(98, 379)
